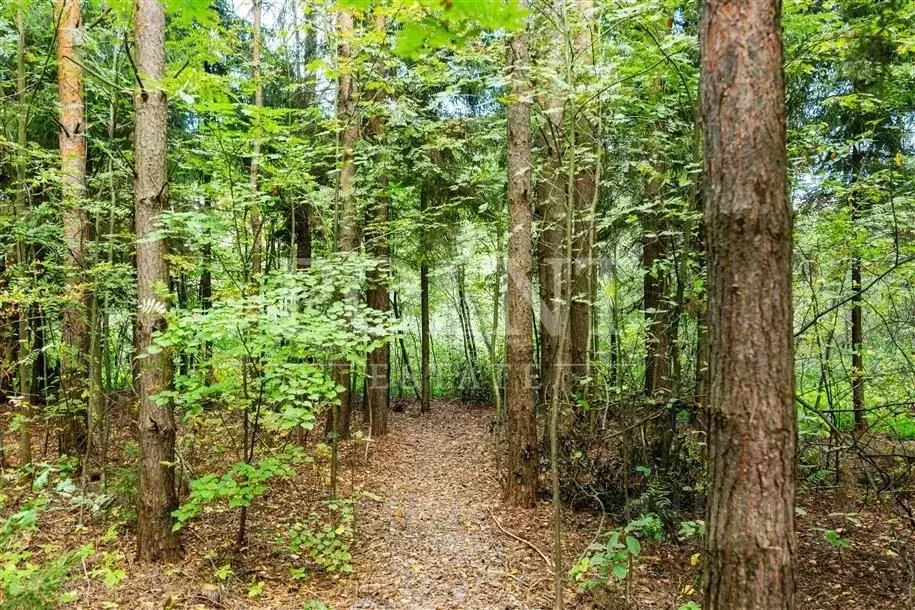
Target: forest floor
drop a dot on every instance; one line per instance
(430, 532)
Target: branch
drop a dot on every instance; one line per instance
(870, 285)
(522, 540)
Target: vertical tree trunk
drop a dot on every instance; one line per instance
(24, 325)
(257, 222)
(404, 357)
(302, 236)
(425, 374)
(348, 227)
(753, 427)
(378, 362)
(583, 200)
(857, 330)
(73, 360)
(656, 250)
(551, 209)
(522, 463)
(156, 498)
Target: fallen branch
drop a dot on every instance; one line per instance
(522, 540)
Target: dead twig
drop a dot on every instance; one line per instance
(522, 540)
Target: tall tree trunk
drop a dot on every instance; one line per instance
(75, 353)
(156, 498)
(551, 209)
(753, 427)
(425, 374)
(257, 221)
(378, 361)
(522, 463)
(404, 357)
(348, 227)
(583, 202)
(24, 325)
(302, 219)
(857, 330)
(656, 250)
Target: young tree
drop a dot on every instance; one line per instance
(752, 432)
(520, 487)
(257, 222)
(72, 140)
(24, 325)
(156, 498)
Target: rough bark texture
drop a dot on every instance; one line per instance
(72, 139)
(857, 325)
(348, 227)
(658, 323)
(551, 212)
(156, 498)
(752, 432)
(378, 362)
(520, 485)
(257, 223)
(583, 199)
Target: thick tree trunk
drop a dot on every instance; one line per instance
(551, 206)
(522, 463)
(655, 250)
(378, 362)
(75, 352)
(348, 227)
(156, 498)
(753, 427)
(583, 202)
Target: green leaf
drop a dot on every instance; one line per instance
(634, 546)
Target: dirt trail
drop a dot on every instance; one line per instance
(432, 540)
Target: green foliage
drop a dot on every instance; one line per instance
(238, 487)
(612, 560)
(31, 579)
(326, 537)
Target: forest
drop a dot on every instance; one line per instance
(315, 304)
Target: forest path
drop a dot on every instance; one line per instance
(431, 540)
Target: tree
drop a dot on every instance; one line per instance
(522, 464)
(348, 227)
(378, 363)
(257, 222)
(752, 431)
(24, 324)
(156, 497)
(76, 226)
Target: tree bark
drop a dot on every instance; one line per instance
(348, 227)
(583, 201)
(378, 361)
(857, 327)
(425, 374)
(551, 211)
(753, 427)
(72, 140)
(522, 463)
(156, 498)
